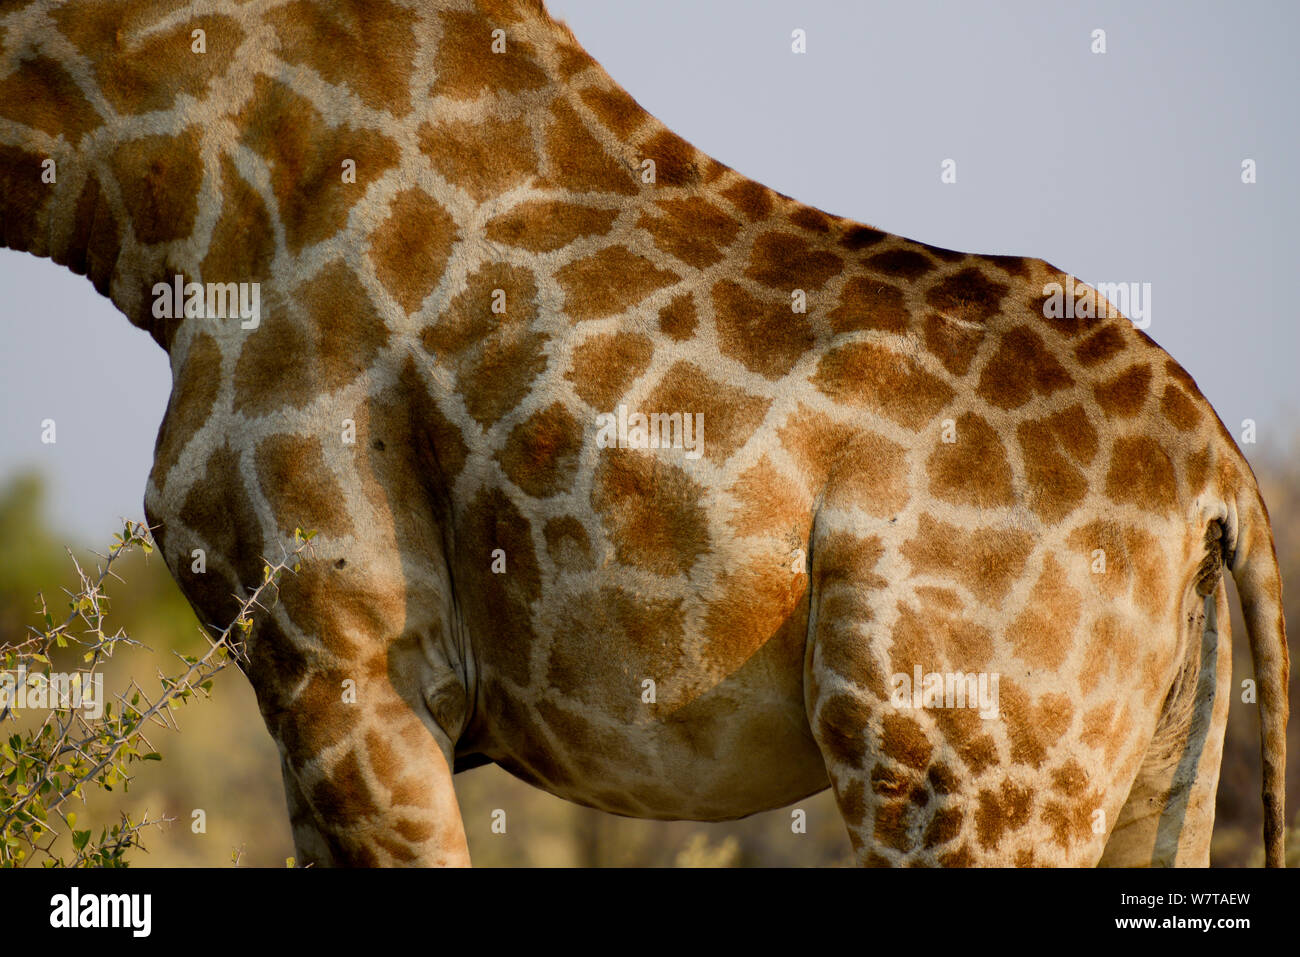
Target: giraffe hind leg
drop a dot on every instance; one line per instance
(904, 793)
(942, 784)
(1168, 818)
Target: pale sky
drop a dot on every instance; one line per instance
(1120, 167)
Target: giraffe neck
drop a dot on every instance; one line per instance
(135, 149)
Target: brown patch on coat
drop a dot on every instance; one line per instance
(944, 827)
(159, 178)
(1179, 408)
(974, 469)
(867, 303)
(1142, 474)
(609, 282)
(941, 779)
(1074, 432)
(692, 229)
(1106, 342)
(23, 198)
(814, 220)
(768, 502)
(567, 543)
(895, 826)
(40, 94)
(678, 319)
(330, 335)
(410, 249)
(468, 66)
(578, 161)
(605, 366)
(573, 60)
(962, 857)
(1151, 568)
(759, 605)
(753, 200)
(1043, 633)
(962, 729)
(496, 357)
(243, 240)
(677, 162)
(346, 328)
(952, 343)
(890, 383)
(762, 335)
(866, 470)
(1071, 821)
(344, 794)
(500, 605)
(218, 510)
(332, 38)
(906, 264)
(946, 255)
(969, 296)
(1056, 485)
(937, 640)
(543, 226)
(1032, 728)
(940, 597)
(1110, 654)
(91, 248)
(305, 157)
(842, 721)
(1000, 812)
(1197, 465)
(902, 739)
(300, 488)
(1124, 395)
(842, 558)
(130, 64)
(730, 414)
(858, 237)
(484, 158)
(541, 453)
(845, 568)
(194, 392)
(1014, 265)
(787, 261)
(605, 642)
(652, 511)
(615, 109)
(1107, 536)
(1021, 368)
(986, 560)
(852, 801)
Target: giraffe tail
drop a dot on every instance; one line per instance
(1253, 562)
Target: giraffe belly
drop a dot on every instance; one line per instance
(655, 700)
(722, 756)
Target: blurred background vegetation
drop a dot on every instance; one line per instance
(225, 763)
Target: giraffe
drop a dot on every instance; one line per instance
(482, 272)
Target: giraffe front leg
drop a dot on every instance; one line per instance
(363, 800)
(364, 708)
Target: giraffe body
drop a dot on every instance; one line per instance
(902, 462)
